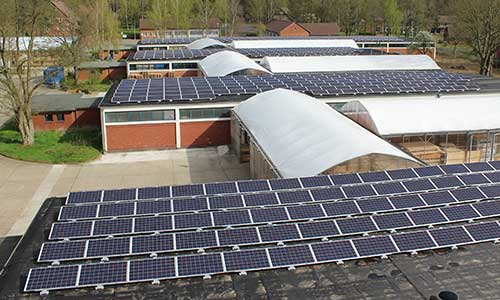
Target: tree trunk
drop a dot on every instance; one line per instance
(25, 127)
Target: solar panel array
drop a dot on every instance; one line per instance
(144, 55)
(315, 84)
(357, 38)
(238, 224)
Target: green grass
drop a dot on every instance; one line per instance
(87, 87)
(72, 146)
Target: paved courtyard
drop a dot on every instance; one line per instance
(24, 186)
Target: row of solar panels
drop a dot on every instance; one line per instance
(247, 217)
(227, 39)
(142, 55)
(249, 186)
(74, 276)
(320, 194)
(316, 84)
(183, 241)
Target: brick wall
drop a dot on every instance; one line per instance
(140, 137)
(72, 119)
(294, 30)
(206, 133)
(117, 54)
(106, 74)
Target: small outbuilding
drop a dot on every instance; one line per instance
(289, 134)
(225, 63)
(445, 129)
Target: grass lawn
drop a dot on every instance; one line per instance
(87, 87)
(73, 146)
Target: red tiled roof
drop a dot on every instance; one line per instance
(277, 25)
(316, 29)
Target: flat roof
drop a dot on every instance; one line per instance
(102, 64)
(63, 102)
(321, 85)
(227, 39)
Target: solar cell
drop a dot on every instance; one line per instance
(418, 185)
(374, 204)
(356, 225)
(315, 181)
(454, 169)
(117, 195)
(450, 236)
(389, 188)
(78, 212)
(195, 240)
(62, 250)
(278, 233)
(402, 174)
(294, 197)
(50, 278)
(152, 243)
(495, 164)
(117, 209)
(187, 190)
(327, 194)
(269, 215)
(220, 188)
(94, 274)
(478, 166)
(429, 216)
(341, 208)
(285, 184)
(491, 191)
(470, 179)
(108, 247)
(437, 198)
(358, 191)
(490, 208)
(246, 260)
(392, 221)
(454, 213)
(238, 236)
(153, 192)
(253, 186)
(340, 179)
(318, 229)
(379, 245)
(467, 194)
(84, 197)
(192, 204)
(192, 221)
(225, 202)
(493, 177)
(484, 231)
(231, 217)
(406, 201)
(72, 229)
(305, 212)
(153, 207)
(428, 171)
(332, 251)
(291, 256)
(374, 176)
(199, 264)
(151, 269)
(446, 182)
(413, 241)
(261, 199)
(152, 224)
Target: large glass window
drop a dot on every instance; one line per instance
(205, 113)
(177, 66)
(140, 116)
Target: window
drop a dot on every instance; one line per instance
(205, 113)
(60, 117)
(177, 66)
(140, 116)
(49, 118)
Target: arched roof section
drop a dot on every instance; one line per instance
(289, 64)
(302, 136)
(289, 43)
(206, 43)
(453, 113)
(225, 63)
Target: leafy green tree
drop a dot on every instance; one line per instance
(159, 14)
(422, 42)
(393, 16)
(414, 16)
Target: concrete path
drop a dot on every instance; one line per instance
(24, 186)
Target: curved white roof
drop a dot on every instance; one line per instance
(454, 113)
(303, 136)
(299, 43)
(289, 64)
(205, 43)
(227, 62)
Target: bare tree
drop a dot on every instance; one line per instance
(479, 24)
(234, 13)
(20, 24)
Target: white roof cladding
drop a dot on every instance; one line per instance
(227, 62)
(300, 43)
(205, 43)
(449, 113)
(303, 136)
(289, 64)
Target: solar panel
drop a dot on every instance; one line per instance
(269, 215)
(406, 201)
(305, 212)
(493, 177)
(374, 176)
(153, 207)
(318, 229)
(192, 221)
(413, 241)
(225, 218)
(340, 179)
(446, 182)
(52, 278)
(495, 164)
(246, 260)
(389, 188)
(193, 204)
(379, 245)
(356, 225)
(294, 197)
(78, 212)
(374, 204)
(392, 221)
(152, 243)
(238, 236)
(470, 179)
(187, 190)
(108, 247)
(492, 191)
(454, 169)
(117, 209)
(72, 229)
(450, 236)
(430, 216)
(199, 264)
(359, 191)
(118, 195)
(290, 256)
(428, 171)
(260, 199)
(94, 274)
(220, 188)
(84, 197)
(418, 185)
(285, 184)
(327, 194)
(490, 208)
(62, 250)
(454, 213)
(436, 198)
(315, 181)
(152, 269)
(253, 186)
(402, 174)
(342, 208)
(332, 251)
(195, 240)
(478, 166)
(279, 233)
(153, 192)
(484, 231)
(152, 224)
(467, 194)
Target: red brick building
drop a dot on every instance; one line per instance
(103, 70)
(65, 111)
(149, 31)
(285, 28)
